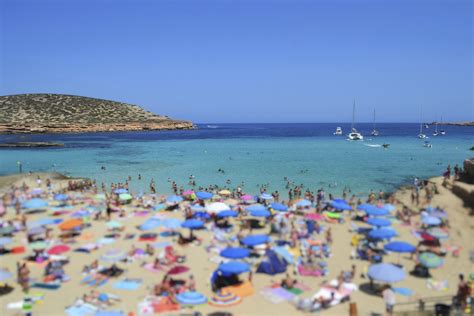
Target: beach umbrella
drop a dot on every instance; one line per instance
(430, 260)
(37, 191)
(174, 199)
(202, 215)
(7, 230)
(217, 207)
(150, 224)
(379, 222)
(81, 214)
(247, 197)
(172, 223)
(125, 197)
(234, 267)
(120, 191)
(303, 203)
(225, 192)
(5, 241)
(188, 192)
(256, 208)
(431, 220)
(45, 222)
(177, 270)
(58, 249)
(227, 213)
(438, 233)
(364, 207)
(113, 224)
(232, 202)
(279, 207)
(35, 204)
(38, 245)
(400, 246)
(382, 233)
(192, 224)
(313, 216)
(389, 207)
(38, 230)
(266, 196)
(5, 275)
(197, 208)
(235, 253)
(61, 197)
(191, 298)
(99, 196)
(203, 195)
(254, 240)
(260, 213)
(340, 201)
(386, 272)
(340, 206)
(376, 211)
(224, 299)
(439, 214)
(70, 224)
(113, 255)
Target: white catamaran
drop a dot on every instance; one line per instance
(354, 134)
(338, 131)
(375, 132)
(439, 132)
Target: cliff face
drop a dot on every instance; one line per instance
(56, 113)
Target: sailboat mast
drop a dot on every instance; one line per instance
(353, 114)
(421, 120)
(374, 119)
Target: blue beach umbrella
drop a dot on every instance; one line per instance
(227, 213)
(400, 246)
(340, 201)
(431, 220)
(303, 203)
(234, 267)
(279, 207)
(4, 241)
(202, 215)
(5, 275)
(61, 197)
(379, 222)
(254, 240)
(382, 233)
(376, 211)
(172, 223)
(260, 213)
(203, 195)
(150, 224)
(390, 207)
(34, 204)
(120, 191)
(256, 208)
(364, 207)
(386, 272)
(340, 205)
(266, 196)
(192, 224)
(235, 253)
(174, 199)
(198, 208)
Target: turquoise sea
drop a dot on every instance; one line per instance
(251, 153)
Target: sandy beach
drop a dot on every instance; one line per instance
(55, 302)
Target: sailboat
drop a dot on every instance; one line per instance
(354, 134)
(374, 131)
(439, 132)
(421, 135)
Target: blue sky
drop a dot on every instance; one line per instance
(247, 61)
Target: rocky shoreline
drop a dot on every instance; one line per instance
(30, 145)
(454, 123)
(94, 128)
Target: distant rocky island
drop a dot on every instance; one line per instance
(455, 123)
(58, 113)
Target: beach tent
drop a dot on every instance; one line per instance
(272, 264)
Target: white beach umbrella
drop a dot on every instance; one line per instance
(217, 207)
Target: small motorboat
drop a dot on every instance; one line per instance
(385, 145)
(338, 131)
(427, 144)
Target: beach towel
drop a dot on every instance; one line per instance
(403, 291)
(81, 310)
(243, 290)
(277, 295)
(302, 270)
(150, 267)
(295, 291)
(441, 285)
(47, 285)
(164, 305)
(127, 284)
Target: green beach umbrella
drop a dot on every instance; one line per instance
(125, 197)
(114, 224)
(38, 245)
(430, 260)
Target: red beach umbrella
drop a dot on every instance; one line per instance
(58, 249)
(427, 237)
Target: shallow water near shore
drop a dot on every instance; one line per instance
(254, 153)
